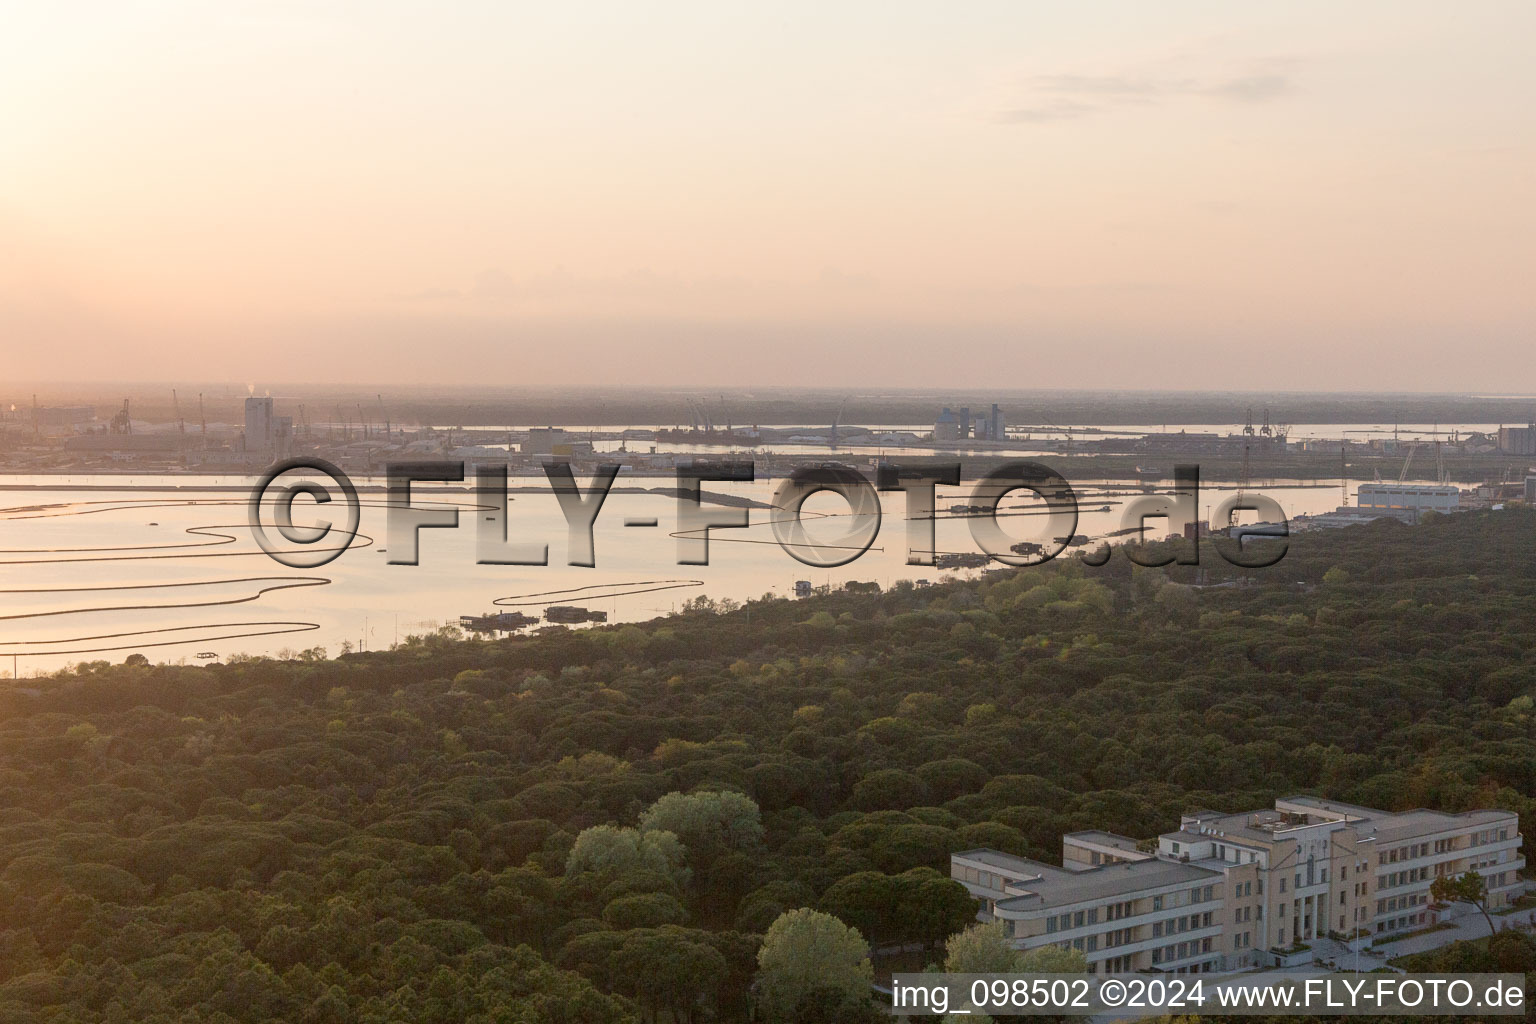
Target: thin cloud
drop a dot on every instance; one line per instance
(1061, 97)
(1254, 88)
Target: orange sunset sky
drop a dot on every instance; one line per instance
(1307, 195)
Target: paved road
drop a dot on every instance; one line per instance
(1469, 926)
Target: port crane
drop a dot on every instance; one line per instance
(181, 426)
(122, 423)
(1242, 482)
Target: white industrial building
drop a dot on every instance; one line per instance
(1418, 497)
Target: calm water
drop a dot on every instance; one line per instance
(1047, 438)
(60, 541)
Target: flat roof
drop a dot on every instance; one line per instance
(1058, 887)
(1268, 824)
(1112, 839)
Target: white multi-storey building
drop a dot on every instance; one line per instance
(1227, 891)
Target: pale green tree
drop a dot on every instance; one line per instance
(610, 851)
(1053, 960)
(708, 822)
(981, 949)
(804, 951)
(986, 949)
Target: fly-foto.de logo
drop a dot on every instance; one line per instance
(497, 542)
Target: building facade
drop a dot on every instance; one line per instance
(1229, 891)
(1517, 440)
(267, 437)
(1418, 497)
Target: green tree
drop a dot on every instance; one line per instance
(1467, 888)
(708, 822)
(609, 851)
(866, 901)
(1053, 960)
(804, 951)
(643, 910)
(668, 969)
(981, 949)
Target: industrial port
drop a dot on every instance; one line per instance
(189, 432)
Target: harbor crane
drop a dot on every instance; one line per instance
(122, 422)
(1242, 483)
(181, 426)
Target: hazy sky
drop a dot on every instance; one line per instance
(1315, 195)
